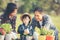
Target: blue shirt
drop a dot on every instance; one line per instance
(22, 27)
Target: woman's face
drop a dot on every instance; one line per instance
(38, 15)
(26, 20)
(14, 13)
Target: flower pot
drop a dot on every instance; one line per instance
(8, 37)
(42, 37)
(49, 37)
(2, 37)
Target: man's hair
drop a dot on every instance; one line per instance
(38, 9)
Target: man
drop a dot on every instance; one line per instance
(41, 20)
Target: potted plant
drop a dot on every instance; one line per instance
(41, 33)
(50, 35)
(2, 33)
(45, 34)
(7, 28)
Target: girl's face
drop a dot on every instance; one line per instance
(14, 13)
(26, 20)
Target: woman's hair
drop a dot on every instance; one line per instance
(9, 9)
(38, 9)
(24, 16)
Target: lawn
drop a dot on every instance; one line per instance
(56, 21)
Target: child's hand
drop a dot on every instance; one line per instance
(26, 31)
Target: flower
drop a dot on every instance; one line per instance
(2, 31)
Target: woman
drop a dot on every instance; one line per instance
(9, 15)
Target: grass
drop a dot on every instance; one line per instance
(56, 21)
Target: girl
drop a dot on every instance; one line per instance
(25, 29)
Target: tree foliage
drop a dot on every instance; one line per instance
(30, 5)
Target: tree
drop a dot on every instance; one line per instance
(47, 5)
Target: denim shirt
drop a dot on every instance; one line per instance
(46, 22)
(22, 27)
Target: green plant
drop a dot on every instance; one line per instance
(37, 30)
(50, 32)
(6, 27)
(44, 31)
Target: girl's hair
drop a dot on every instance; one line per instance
(9, 9)
(24, 16)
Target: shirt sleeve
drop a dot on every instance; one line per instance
(33, 23)
(20, 30)
(0, 19)
(48, 23)
(14, 23)
(31, 31)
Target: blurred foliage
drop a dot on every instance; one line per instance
(56, 6)
(30, 5)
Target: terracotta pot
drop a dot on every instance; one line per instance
(49, 37)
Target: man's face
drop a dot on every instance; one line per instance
(38, 15)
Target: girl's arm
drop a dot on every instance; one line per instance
(20, 30)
